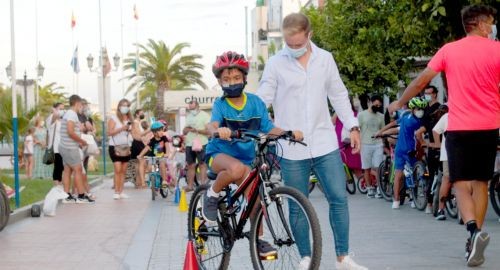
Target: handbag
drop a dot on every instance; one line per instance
(49, 156)
(91, 149)
(122, 150)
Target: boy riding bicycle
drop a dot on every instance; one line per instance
(409, 122)
(158, 147)
(231, 160)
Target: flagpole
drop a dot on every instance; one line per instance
(121, 28)
(14, 104)
(104, 122)
(37, 94)
(137, 64)
(72, 48)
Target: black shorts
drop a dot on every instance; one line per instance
(58, 168)
(195, 157)
(116, 158)
(471, 154)
(136, 149)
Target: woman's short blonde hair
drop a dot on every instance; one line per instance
(295, 23)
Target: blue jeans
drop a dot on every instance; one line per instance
(330, 172)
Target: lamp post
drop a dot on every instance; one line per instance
(39, 74)
(101, 71)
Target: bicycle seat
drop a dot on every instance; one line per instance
(211, 175)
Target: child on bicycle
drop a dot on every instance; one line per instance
(235, 110)
(409, 122)
(158, 147)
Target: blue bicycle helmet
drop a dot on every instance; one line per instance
(157, 126)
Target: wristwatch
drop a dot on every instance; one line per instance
(355, 128)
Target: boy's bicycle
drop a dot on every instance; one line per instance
(154, 180)
(414, 184)
(4, 207)
(270, 205)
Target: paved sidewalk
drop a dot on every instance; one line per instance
(141, 234)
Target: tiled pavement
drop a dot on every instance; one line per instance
(140, 234)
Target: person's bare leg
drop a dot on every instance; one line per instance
(480, 197)
(203, 173)
(80, 188)
(191, 172)
(122, 178)
(142, 172)
(466, 205)
(444, 190)
(116, 168)
(163, 172)
(398, 177)
(366, 174)
(66, 178)
(228, 170)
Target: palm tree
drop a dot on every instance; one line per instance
(24, 117)
(49, 96)
(161, 69)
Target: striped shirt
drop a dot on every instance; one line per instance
(66, 141)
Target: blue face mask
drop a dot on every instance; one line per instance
(297, 53)
(233, 90)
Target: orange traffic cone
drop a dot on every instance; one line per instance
(190, 262)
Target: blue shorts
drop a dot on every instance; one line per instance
(401, 158)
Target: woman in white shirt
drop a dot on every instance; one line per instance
(54, 128)
(119, 127)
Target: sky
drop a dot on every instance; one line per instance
(210, 26)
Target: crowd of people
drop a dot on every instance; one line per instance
(304, 76)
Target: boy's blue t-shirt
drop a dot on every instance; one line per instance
(252, 115)
(408, 124)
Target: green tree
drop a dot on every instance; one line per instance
(6, 129)
(49, 95)
(163, 68)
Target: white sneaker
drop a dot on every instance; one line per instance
(116, 196)
(412, 204)
(395, 205)
(124, 196)
(348, 264)
(304, 263)
(428, 210)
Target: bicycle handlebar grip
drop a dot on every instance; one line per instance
(234, 134)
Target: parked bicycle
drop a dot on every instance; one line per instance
(269, 206)
(4, 207)
(451, 205)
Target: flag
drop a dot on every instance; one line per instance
(74, 61)
(136, 15)
(73, 20)
(106, 64)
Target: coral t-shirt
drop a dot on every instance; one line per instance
(472, 67)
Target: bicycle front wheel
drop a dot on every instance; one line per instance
(291, 226)
(420, 189)
(207, 237)
(495, 193)
(152, 184)
(361, 184)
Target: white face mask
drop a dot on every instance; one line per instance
(124, 109)
(297, 53)
(428, 97)
(493, 34)
(61, 113)
(419, 114)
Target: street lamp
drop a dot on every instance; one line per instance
(8, 70)
(39, 70)
(101, 71)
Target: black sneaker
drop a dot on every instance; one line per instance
(441, 215)
(266, 250)
(480, 241)
(69, 200)
(209, 210)
(84, 200)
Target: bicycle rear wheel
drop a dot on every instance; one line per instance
(206, 237)
(288, 228)
(451, 204)
(4, 207)
(384, 174)
(419, 191)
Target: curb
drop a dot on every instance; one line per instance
(25, 212)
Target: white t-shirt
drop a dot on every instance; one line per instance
(440, 128)
(28, 144)
(124, 137)
(65, 140)
(57, 133)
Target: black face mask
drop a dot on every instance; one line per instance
(376, 109)
(141, 116)
(234, 90)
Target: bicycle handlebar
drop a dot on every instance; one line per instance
(385, 136)
(241, 134)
